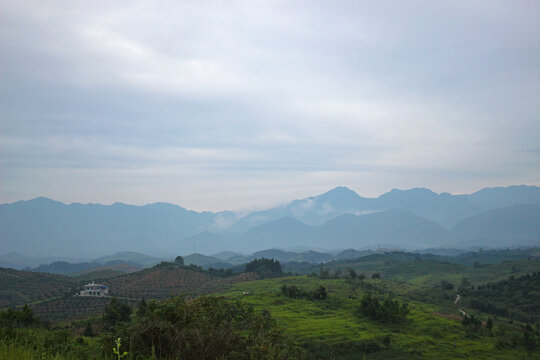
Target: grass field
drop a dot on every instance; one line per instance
(407, 268)
(333, 326)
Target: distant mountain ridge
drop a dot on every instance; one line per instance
(444, 208)
(46, 227)
(519, 224)
(390, 228)
(314, 210)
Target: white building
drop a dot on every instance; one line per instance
(94, 289)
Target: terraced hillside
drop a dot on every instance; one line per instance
(160, 283)
(21, 287)
(51, 296)
(71, 307)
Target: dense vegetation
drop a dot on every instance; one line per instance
(381, 306)
(205, 328)
(387, 312)
(337, 328)
(297, 293)
(264, 267)
(517, 298)
(426, 270)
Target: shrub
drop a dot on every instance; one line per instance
(264, 267)
(386, 312)
(297, 293)
(23, 317)
(116, 312)
(445, 285)
(207, 328)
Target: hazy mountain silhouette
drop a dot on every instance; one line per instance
(517, 225)
(278, 233)
(394, 228)
(205, 261)
(444, 208)
(500, 197)
(390, 228)
(46, 227)
(314, 210)
(130, 257)
(43, 227)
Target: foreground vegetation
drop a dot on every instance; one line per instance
(205, 328)
(335, 328)
(377, 307)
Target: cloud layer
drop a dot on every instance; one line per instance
(231, 104)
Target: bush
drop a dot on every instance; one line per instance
(386, 312)
(445, 285)
(264, 267)
(23, 317)
(297, 293)
(207, 328)
(116, 312)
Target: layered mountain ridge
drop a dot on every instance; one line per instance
(337, 219)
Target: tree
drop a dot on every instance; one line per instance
(386, 312)
(320, 293)
(142, 308)
(325, 273)
(489, 324)
(179, 261)
(465, 284)
(264, 267)
(376, 276)
(208, 328)
(88, 331)
(529, 339)
(445, 285)
(472, 323)
(352, 273)
(24, 317)
(116, 312)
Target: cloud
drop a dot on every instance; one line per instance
(242, 103)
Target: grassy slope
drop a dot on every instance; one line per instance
(333, 323)
(431, 272)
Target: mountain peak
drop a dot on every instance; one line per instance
(339, 193)
(416, 190)
(340, 190)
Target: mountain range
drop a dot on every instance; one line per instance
(338, 219)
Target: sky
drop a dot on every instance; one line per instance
(238, 105)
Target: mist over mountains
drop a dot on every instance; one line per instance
(338, 219)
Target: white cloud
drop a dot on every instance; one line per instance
(260, 102)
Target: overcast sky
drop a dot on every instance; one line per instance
(218, 105)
